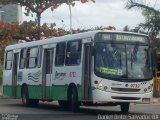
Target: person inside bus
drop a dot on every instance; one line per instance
(73, 55)
(104, 57)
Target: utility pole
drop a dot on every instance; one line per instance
(70, 12)
(39, 24)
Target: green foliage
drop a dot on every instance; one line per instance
(36, 6)
(147, 12)
(126, 28)
(151, 25)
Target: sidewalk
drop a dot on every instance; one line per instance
(1, 92)
(156, 100)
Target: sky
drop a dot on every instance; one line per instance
(89, 15)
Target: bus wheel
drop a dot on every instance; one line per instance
(25, 98)
(35, 102)
(74, 100)
(63, 103)
(124, 107)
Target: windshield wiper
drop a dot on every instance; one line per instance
(134, 54)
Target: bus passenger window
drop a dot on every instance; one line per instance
(22, 59)
(73, 56)
(60, 54)
(9, 58)
(32, 55)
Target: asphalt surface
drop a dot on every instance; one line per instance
(12, 109)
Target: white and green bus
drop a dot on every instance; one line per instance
(90, 68)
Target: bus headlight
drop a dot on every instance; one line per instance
(100, 86)
(148, 89)
(145, 90)
(105, 88)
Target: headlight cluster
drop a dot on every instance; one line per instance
(149, 88)
(102, 87)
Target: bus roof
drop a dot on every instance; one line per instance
(64, 38)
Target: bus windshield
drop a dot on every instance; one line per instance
(129, 61)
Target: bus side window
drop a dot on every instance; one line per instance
(9, 58)
(60, 54)
(73, 55)
(32, 57)
(22, 58)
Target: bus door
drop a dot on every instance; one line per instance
(86, 83)
(47, 72)
(14, 73)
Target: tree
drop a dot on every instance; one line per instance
(11, 33)
(126, 28)
(37, 6)
(152, 18)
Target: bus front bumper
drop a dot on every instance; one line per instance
(100, 96)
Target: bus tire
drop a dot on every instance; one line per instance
(63, 103)
(25, 97)
(35, 102)
(124, 107)
(74, 100)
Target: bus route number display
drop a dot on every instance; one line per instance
(124, 37)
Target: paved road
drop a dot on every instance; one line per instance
(12, 108)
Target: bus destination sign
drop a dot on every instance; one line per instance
(124, 37)
(120, 37)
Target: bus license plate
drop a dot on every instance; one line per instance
(146, 100)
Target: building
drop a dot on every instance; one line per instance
(11, 13)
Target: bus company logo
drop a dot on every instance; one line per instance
(59, 76)
(126, 85)
(34, 76)
(20, 76)
(72, 74)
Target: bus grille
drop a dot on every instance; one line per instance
(125, 98)
(125, 90)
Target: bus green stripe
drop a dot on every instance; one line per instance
(79, 90)
(58, 92)
(18, 91)
(7, 90)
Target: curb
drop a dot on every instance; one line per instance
(3, 97)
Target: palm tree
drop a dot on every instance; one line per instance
(152, 17)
